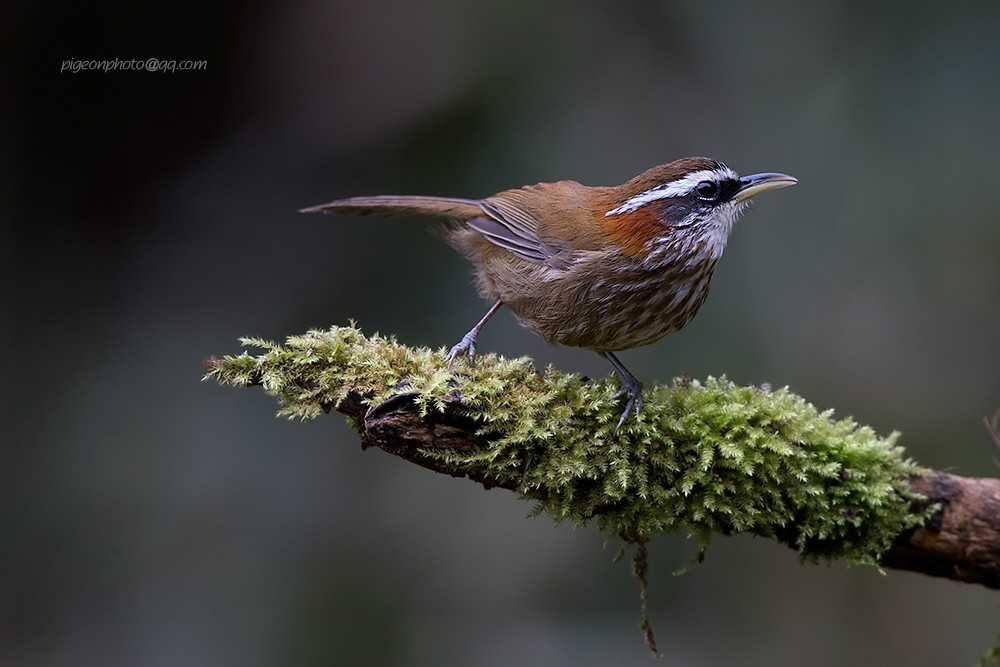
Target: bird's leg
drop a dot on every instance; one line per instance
(467, 345)
(630, 386)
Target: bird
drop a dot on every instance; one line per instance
(602, 268)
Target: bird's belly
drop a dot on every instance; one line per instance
(617, 313)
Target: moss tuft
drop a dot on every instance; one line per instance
(702, 456)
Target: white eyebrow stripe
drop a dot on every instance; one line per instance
(679, 188)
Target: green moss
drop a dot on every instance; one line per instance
(992, 657)
(705, 457)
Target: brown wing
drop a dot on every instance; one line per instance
(547, 223)
(498, 232)
(510, 227)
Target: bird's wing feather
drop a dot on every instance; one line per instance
(520, 223)
(497, 233)
(512, 227)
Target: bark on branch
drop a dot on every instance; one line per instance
(962, 540)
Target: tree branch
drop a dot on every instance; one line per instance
(960, 541)
(711, 458)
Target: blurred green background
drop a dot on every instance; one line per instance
(150, 220)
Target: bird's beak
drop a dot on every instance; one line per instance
(757, 183)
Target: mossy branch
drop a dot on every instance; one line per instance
(706, 457)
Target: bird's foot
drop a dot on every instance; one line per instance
(465, 347)
(632, 389)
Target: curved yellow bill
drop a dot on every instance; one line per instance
(757, 183)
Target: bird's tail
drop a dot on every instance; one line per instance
(444, 207)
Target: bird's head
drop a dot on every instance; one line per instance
(693, 200)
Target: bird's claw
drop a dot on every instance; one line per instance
(634, 392)
(466, 347)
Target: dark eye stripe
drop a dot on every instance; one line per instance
(682, 187)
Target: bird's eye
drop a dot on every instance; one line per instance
(707, 190)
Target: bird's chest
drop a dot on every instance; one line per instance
(606, 304)
(640, 307)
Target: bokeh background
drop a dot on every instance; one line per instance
(150, 220)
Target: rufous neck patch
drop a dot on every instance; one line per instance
(633, 231)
